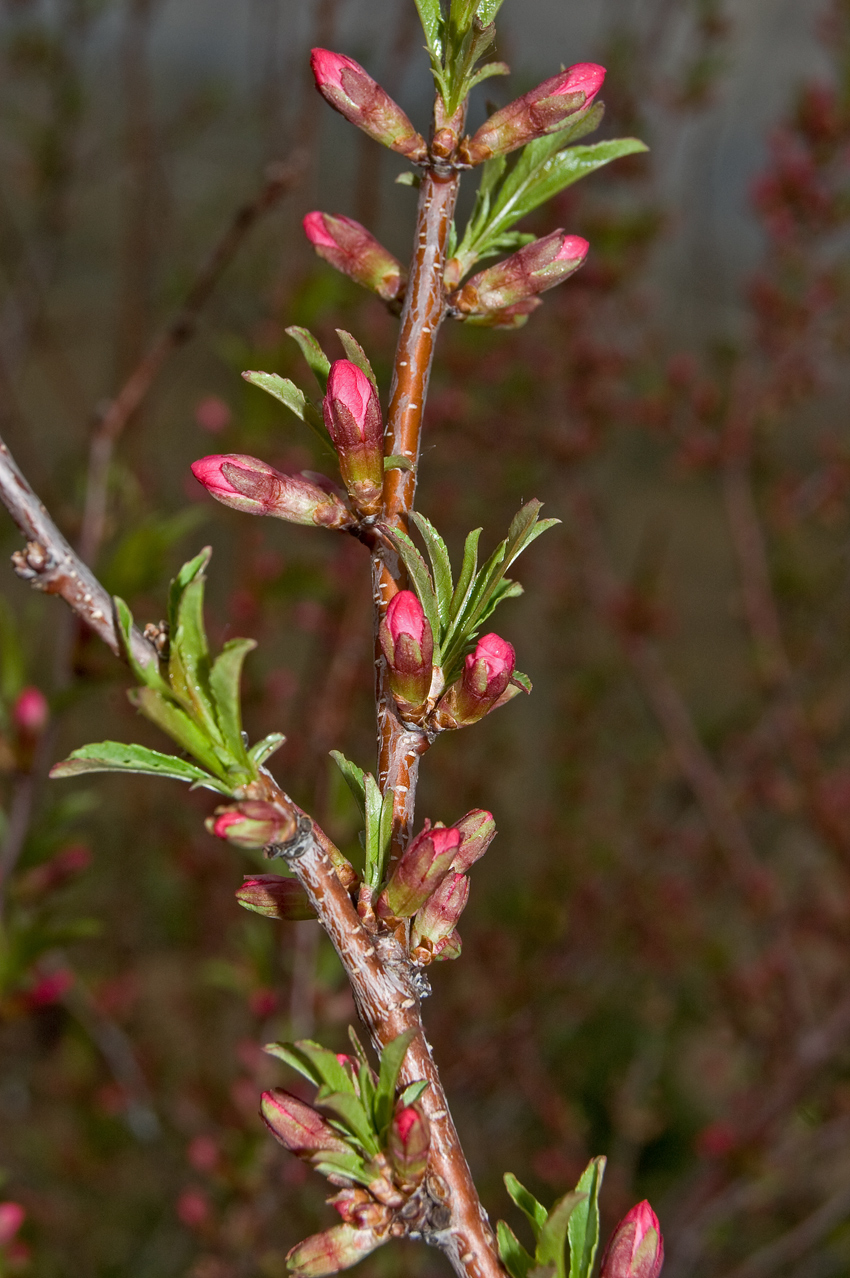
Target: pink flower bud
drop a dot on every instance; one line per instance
(30, 712)
(423, 865)
(351, 249)
(344, 84)
(408, 647)
(408, 1144)
(329, 1252)
(358, 1208)
(275, 897)
(484, 684)
(546, 109)
(529, 271)
(439, 915)
(298, 1126)
(477, 832)
(353, 418)
(247, 484)
(253, 824)
(12, 1216)
(636, 1247)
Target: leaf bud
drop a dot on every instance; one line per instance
(297, 1126)
(484, 684)
(531, 270)
(248, 484)
(423, 865)
(349, 89)
(253, 823)
(351, 249)
(636, 1247)
(546, 109)
(408, 647)
(353, 418)
(408, 1144)
(357, 1207)
(477, 832)
(437, 919)
(275, 897)
(329, 1252)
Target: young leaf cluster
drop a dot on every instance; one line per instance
(457, 43)
(377, 813)
(358, 1102)
(194, 699)
(456, 610)
(573, 1220)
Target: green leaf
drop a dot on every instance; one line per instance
(149, 674)
(514, 1256)
(189, 654)
(534, 1212)
(397, 462)
(335, 1163)
(355, 352)
(114, 756)
(354, 778)
(264, 749)
(441, 565)
(225, 678)
(486, 72)
(551, 1243)
(379, 828)
(411, 1094)
(467, 572)
(176, 723)
(431, 18)
(583, 1225)
(351, 1111)
(282, 389)
(421, 580)
(315, 1062)
(316, 358)
(391, 1061)
(184, 578)
(487, 10)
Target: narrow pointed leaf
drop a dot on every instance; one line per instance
(284, 390)
(315, 1062)
(176, 723)
(354, 779)
(339, 1164)
(412, 1093)
(551, 1244)
(513, 1255)
(534, 1212)
(225, 685)
(351, 1112)
(264, 749)
(431, 18)
(391, 1060)
(114, 756)
(583, 1224)
(378, 830)
(440, 564)
(316, 358)
(149, 675)
(467, 572)
(397, 462)
(184, 578)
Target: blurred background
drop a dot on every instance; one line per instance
(656, 950)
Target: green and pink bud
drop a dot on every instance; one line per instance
(408, 647)
(250, 485)
(450, 948)
(335, 1249)
(297, 1126)
(253, 824)
(636, 1247)
(351, 249)
(275, 897)
(552, 106)
(350, 90)
(486, 683)
(357, 1207)
(477, 831)
(353, 418)
(438, 918)
(408, 1144)
(423, 865)
(520, 277)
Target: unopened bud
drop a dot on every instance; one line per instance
(351, 249)
(30, 712)
(508, 317)
(275, 897)
(408, 647)
(546, 109)
(358, 1208)
(529, 271)
(636, 1247)
(350, 90)
(297, 1126)
(250, 485)
(423, 866)
(439, 915)
(484, 684)
(353, 418)
(477, 832)
(335, 1249)
(408, 1144)
(450, 948)
(253, 824)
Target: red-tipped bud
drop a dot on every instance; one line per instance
(275, 897)
(531, 270)
(353, 418)
(636, 1247)
(351, 249)
(550, 107)
(408, 647)
(350, 90)
(438, 918)
(477, 832)
(30, 712)
(335, 1249)
(423, 866)
(408, 1144)
(248, 484)
(484, 684)
(253, 824)
(298, 1126)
